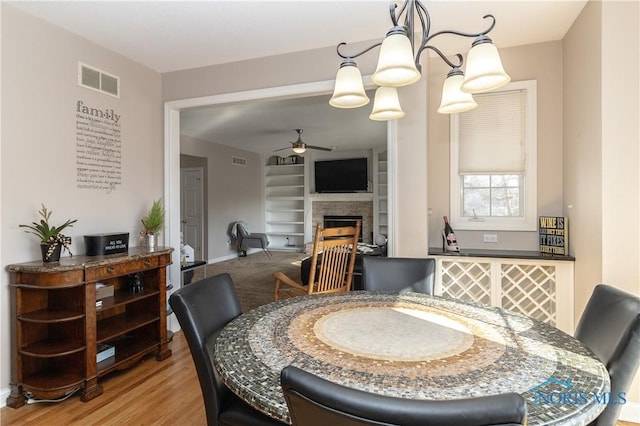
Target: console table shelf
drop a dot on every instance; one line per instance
(52, 347)
(56, 325)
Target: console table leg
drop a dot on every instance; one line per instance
(16, 399)
(163, 353)
(91, 391)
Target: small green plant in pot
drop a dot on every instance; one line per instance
(153, 223)
(52, 241)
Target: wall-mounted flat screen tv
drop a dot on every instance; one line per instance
(341, 175)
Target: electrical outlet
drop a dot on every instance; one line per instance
(490, 238)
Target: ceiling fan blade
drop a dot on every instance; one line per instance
(281, 149)
(320, 148)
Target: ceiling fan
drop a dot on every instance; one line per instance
(300, 147)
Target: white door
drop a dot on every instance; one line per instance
(191, 209)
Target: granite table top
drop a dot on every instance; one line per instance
(414, 346)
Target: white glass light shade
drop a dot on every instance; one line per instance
(453, 99)
(396, 65)
(348, 91)
(386, 105)
(484, 69)
(299, 149)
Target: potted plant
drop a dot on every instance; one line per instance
(153, 223)
(52, 241)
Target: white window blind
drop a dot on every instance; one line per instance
(492, 136)
(493, 174)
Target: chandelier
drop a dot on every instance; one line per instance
(399, 66)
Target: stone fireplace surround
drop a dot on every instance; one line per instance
(319, 209)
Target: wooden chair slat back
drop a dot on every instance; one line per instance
(338, 247)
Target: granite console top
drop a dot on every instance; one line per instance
(407, 345)
(82, 262)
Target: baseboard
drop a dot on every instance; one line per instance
(233, 256)
(630, 412)
(223, 258)
(4, 394)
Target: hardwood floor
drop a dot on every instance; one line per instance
(152, 393)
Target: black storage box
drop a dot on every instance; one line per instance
(102, 244)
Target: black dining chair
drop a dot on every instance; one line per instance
(203, 308)
(610, 327)
(398, 274)
(314, 401)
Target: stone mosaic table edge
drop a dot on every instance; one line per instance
(255, 378)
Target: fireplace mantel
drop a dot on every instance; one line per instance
(355, 196)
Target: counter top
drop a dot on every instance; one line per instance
(81, 261)
(505, 254)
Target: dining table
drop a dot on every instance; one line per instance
(411, 345)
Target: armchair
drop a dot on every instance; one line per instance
(246, 239)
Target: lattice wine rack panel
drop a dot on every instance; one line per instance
(530, 290)
(470, 282)
(538, 288)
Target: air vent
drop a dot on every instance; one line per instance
(237, 161)
(94, 79)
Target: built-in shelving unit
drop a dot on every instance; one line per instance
(284, 206)
(380, 208)
(57, 326)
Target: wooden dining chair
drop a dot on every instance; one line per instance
(610, 327)
(203, 308)
(333, 260)
(314, 401)
(399, 274)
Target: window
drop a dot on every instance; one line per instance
(493, 161)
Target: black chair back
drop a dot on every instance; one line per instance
(313, 401)
(203, 308)
(398, 274)
(610, 327)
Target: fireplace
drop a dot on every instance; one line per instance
(356, 209)
(336, 221)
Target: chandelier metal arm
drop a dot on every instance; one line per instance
(394, 15)
(357, 54)
(425, 22)
(426, 38)
(445, 59)
(460, 33)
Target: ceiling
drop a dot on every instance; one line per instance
(174, 35)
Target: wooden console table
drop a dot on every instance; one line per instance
(56, 326)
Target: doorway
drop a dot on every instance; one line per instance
(192, 218)
(172, 150)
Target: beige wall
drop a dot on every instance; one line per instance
(621, 143)
(620, 151)
(234, 192)
(582, 149)
(601, 144)
(39, 94)
(541, 62)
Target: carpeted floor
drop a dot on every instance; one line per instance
(252, 275)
